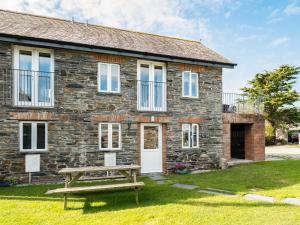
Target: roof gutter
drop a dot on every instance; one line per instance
(15, 39)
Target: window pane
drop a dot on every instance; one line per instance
(195, 135)
(151, 137)
(25, 74)
(44, 77)
(158, 86)
(186, 84)
(26, 136)
(186, 135)
(144, 85)
(104, 136)
(194, 84)
(114, 78)
(115, 135)
(103, 77)
(41, 136)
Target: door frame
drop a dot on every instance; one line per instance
(160, 145)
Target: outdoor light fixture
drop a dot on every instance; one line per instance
(129, 122)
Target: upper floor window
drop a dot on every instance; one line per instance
(189, 84)
(33, 77)
(108, 77)
(151, 86)
(190, 135)
(109, 136)
(33, 136)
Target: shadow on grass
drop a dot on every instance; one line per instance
(239, 179)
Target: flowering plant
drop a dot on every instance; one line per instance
(180, 166)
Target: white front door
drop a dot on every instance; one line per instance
(151, 148)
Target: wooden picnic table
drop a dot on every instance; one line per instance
(74, 174)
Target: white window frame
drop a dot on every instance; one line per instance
(109, 76)
(190, 85)
(33, 136)
(191, 134)
(109, 147)
(35, 68)
(152, 65)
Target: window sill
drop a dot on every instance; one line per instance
(110, 150)
(189, 98)
(99, 93)
(33, 152)
(195, 148)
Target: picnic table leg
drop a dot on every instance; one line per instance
(136, 196)
(65, 201)
(134, 176)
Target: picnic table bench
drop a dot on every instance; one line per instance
(74, 174)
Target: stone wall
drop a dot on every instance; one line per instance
(73, 122)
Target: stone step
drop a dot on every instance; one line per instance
(259, 198)
(216, 192)
(292, 201)
(185, 186)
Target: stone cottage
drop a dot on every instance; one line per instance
(75, 94)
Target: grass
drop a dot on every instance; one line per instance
(163, 204)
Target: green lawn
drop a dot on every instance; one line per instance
(162, 204)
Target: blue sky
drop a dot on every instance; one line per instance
(258, 35)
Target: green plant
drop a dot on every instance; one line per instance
(12, 180)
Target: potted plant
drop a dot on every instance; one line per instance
(4, 182)
(180, 168)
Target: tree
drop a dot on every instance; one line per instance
(276, 89)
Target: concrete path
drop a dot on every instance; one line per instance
(283, 151)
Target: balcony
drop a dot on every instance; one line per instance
(151, 96)
(239, 103)
(27, 88)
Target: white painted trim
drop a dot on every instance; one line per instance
(109, 76)
(33, 136)
(190, 136)
(190, 85)
(151, 65)
(151, 150)
(34, 83)
(109, 127)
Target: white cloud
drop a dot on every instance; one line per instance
(291, 9)
(248, 38)
(279, 41)
(164, 17)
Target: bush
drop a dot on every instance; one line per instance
(270, 139)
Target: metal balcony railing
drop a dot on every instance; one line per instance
(151, 96)
(27, 88)
(239, 103)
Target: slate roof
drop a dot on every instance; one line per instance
(46, 28)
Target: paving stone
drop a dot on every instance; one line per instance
(160, 182)
(259, 198)
(185, 186)
(216, 192)
(157, 177)
(292, 201)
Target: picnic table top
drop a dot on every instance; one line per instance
(98, 168)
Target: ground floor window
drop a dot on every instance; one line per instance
(33, 136)
(109, 136)
(190, 135)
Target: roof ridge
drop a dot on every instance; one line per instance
(97, 25)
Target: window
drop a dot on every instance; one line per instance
(33, 136)
(108, 77)
(33, 77)
(109, 136)
(190, 135)
(189, 84)
(151, 86)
